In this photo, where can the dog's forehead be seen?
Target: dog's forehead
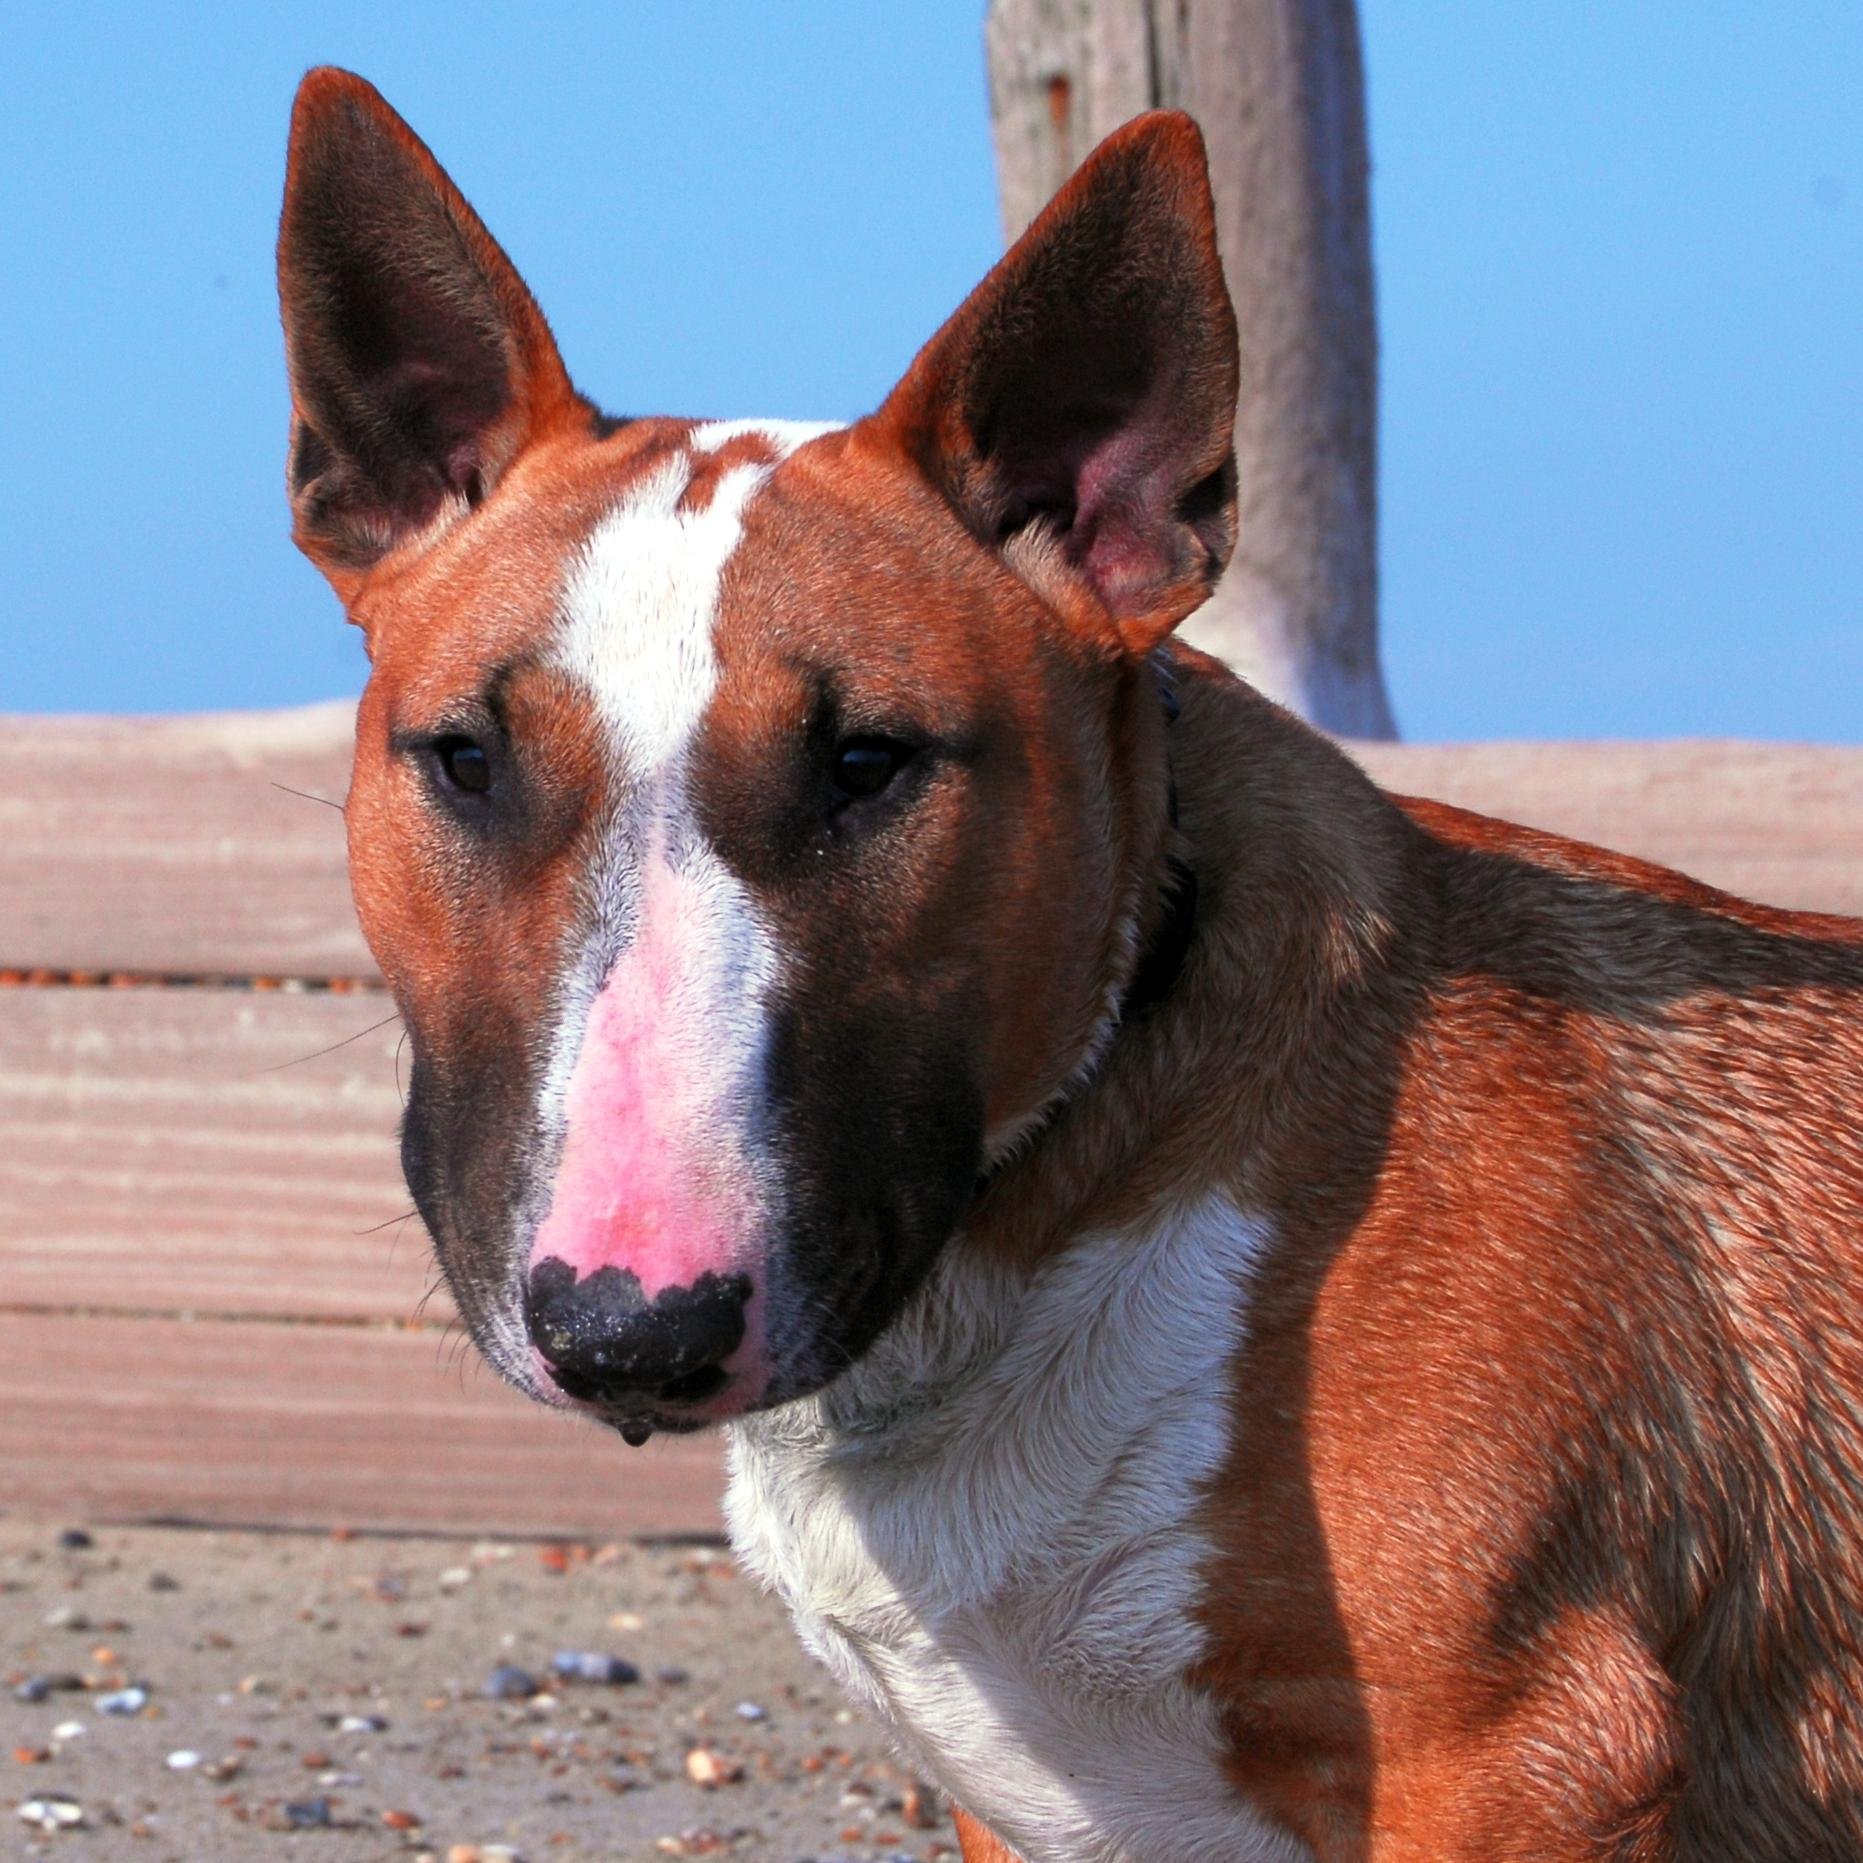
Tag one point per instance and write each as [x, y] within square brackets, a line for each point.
[600, 559]
[641, 599]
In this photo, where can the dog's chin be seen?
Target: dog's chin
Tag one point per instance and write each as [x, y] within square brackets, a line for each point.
[636, 1422]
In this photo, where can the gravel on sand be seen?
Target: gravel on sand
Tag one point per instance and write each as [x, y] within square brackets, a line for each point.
[180, 1694]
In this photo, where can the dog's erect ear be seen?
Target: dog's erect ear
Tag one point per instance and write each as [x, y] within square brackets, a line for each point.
[420, 365]
[1082, 401]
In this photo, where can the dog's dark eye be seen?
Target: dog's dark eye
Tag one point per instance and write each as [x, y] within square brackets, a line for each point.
[863, 766]
[463, 764]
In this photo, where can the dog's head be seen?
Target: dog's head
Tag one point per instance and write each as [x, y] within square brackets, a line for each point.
[757, 825]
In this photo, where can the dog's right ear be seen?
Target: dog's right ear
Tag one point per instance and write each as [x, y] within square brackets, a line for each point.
[1078, 410]
[420, 364]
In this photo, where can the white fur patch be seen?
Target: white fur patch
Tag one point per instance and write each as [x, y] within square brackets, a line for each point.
[639, 607]
[641, 601]
[984, 1529]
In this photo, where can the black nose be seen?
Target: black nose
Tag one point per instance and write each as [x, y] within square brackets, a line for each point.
[603, 1339]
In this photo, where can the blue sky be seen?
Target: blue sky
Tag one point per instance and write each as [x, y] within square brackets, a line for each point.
[1620, 266]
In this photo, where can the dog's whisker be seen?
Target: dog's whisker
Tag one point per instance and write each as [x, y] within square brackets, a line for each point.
[306, 795]
[375, 1229]
[394, 1242]
[318, 1054]
[433, 1287]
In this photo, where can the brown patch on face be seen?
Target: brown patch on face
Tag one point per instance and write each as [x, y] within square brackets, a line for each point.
[710, 467]
[952, 944]
[1038, 760]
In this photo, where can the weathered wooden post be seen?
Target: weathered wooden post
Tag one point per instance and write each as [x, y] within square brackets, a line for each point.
[1278, 86]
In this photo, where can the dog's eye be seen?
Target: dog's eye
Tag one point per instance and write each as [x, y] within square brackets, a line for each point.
[863, 766]
[463, 765]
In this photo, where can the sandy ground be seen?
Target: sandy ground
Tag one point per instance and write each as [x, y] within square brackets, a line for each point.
[284, 1669]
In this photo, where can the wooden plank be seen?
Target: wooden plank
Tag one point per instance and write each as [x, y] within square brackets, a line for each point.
[196, 1149]
[1781, 823]
[316, 1426]
[161, 844]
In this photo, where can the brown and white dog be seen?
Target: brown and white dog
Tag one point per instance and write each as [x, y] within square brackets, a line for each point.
[1258, 1319]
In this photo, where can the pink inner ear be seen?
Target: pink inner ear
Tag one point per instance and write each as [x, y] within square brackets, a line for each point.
[1125, 535]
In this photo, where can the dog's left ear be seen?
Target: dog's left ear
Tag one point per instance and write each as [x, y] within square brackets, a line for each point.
[1079, 409]
[420, 364]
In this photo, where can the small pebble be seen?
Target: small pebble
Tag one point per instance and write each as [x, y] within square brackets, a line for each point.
[307, 1814]
[455, 1576]
[592, 1666]
[920, 1807]
[401, 1820]
[697, 1843]
[510, 1683]
[164, 1581]
[52, 1814]
[130, 1700]
[65, 1618]
[362, 1724]
[69, 1730]
[672, 1675]
[75, 1539]
[708, 1769]
[183, 1759]
[749, 1711]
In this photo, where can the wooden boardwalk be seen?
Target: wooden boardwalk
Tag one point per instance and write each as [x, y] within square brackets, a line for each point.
[211, 1307]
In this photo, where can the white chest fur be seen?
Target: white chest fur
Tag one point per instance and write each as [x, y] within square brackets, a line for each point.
[985, 1531]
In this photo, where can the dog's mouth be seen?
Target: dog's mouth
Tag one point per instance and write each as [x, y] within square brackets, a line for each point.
[683, 1407]
[699, 1400]
[638, 1428]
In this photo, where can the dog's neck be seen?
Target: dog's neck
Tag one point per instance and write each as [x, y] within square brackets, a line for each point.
[1176, 914]
[1281, 874]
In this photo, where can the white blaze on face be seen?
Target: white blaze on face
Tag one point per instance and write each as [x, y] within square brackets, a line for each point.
[654, 1083]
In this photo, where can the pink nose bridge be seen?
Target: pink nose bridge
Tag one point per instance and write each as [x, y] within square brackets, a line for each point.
[653, 1177]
